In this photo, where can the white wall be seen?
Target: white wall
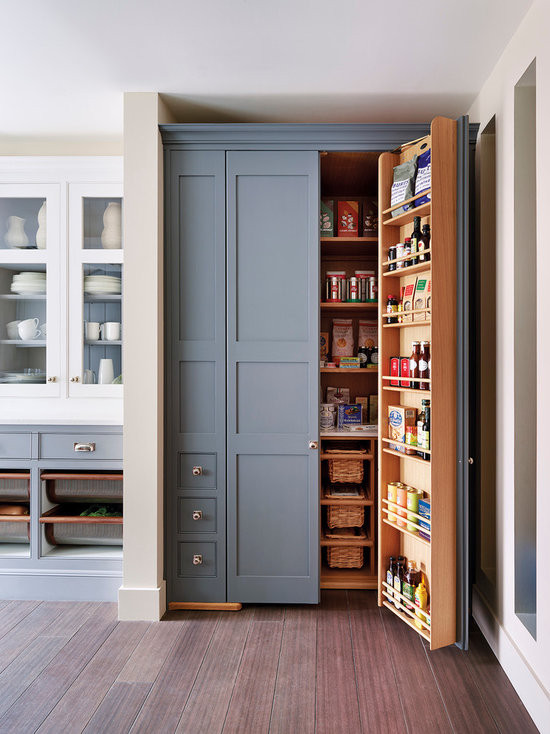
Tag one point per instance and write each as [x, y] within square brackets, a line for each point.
[143, 595]
[526, 660]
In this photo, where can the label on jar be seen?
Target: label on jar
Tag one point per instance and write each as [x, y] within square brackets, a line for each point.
[397, 587]
[413, 364]
[423, 365]
[389, 581]
[391, 308]
[426, 436]
[408, 592]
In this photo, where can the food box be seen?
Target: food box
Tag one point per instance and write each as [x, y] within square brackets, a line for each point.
[422, 297]
[327, 218]
[350, 362]
[368, 334]
[424, 510]
[394, 371]
[404, 367]
[364, 403]
[348, 218]
[349, 415]
[409, 288]
[373, 409]
[370, 217]
[335, 393]
[399, 417]
[323, 354]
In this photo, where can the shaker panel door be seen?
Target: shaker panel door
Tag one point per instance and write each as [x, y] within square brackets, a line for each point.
[272, 376]
[195, 371]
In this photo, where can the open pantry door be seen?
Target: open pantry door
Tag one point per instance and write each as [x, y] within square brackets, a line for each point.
[423, 435]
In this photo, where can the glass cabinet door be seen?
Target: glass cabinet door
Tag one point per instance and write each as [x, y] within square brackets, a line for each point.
[95, 290]
[29, 290]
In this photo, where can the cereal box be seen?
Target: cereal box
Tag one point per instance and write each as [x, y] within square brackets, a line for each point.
[327, 218]
[364, 403]
[399, 417]
[348, 218]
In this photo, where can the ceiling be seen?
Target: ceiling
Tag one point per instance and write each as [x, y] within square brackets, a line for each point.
[64, 65]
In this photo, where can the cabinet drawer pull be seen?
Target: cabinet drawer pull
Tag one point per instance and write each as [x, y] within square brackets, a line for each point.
[84, 446]
[52, 379]
[197, 514]
[197, 471]
[75, 379]
[197, 559]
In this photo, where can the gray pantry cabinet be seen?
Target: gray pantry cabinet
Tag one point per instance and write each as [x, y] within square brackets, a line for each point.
[242, 348]
[54, 472]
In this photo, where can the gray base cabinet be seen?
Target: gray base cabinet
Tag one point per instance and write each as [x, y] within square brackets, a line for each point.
[53, 473]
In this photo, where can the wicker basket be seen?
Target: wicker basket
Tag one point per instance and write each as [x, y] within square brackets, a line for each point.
[346, 470]
[345, 556]
[346, 516]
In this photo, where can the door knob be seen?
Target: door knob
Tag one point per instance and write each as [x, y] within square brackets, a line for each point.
[75, 379]
[52, 379]
[313, 445]
[197, 559]
[197, 471]
[197, 514]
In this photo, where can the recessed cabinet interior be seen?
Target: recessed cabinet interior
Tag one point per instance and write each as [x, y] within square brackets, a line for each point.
[269, 497]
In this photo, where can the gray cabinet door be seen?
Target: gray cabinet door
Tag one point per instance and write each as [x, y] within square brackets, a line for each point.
[272, 376]
[195, 376]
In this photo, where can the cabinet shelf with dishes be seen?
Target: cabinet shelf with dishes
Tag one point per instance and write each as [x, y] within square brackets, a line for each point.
[430, 481]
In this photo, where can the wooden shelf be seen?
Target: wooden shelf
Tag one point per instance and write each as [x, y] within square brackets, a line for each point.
[424, 210]
[351, 501]
[407, 201]
[81, 475]
[332, 542]
[407, 313]
[415, 379]
[404, 258]
[420, 268]
[347, 578]
[362, 306]
[14, 518]
[406, 324]
[427, 393]
[353, 247]
[358, 240]
[346, 437]
[406, 445]
[408, 620]
[348, 370]
[406, 532]
[61, 514]
[363, 457]
[426, 462]
[393, 592]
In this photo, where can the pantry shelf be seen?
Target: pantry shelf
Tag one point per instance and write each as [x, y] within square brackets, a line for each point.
[404, 258]
[406, 532]
[350, 370]
[406, 445]
[359, 457]
[424, 210]
[402, 272]
[390, 591]
[348, 240]
[407, 201]
[425, 393]
[407, 324]
[361, 306]
[400, 455]
[416, 379]
[352, 247]
[406, 313]
[347, 578]
[364, 541]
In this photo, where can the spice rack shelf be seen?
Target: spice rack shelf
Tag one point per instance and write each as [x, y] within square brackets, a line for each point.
[407, 325]
[407, 217]
[349, 370]
[416, 379]
[407, 201]
[400, 455]
[361, 306]
[403, 259]
[419, 268]
[425, 393]
[405, 445]
[405, 531]
[406, 314]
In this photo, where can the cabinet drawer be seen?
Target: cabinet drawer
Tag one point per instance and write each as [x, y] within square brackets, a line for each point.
[197, 471]
[62, 446]
[15, 445]
[196, 515]
[206, 556]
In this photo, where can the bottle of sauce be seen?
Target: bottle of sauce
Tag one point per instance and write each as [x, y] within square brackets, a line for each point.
[421, 604]
[391, 256]
[416, 236]
[398, 579]
[410, 582]
[391, 307]
[424, 244]
[390, 574]
[414, 360]
[423, 365]
[419, 428]
[407, 249]
[426, 432]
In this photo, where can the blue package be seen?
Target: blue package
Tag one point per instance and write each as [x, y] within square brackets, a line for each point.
[349, 415]
[423, 177]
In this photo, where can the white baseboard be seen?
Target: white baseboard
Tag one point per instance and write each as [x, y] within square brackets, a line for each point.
[141, 604]
[529, 688]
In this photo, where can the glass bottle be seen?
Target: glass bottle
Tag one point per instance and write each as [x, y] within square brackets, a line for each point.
[414, 360]
[423, 368]
[420, 427]
[424, 244]
[411, 579]
[426, 441]
[415, 239]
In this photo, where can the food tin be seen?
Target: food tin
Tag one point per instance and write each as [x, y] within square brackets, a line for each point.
[399, 252]
[402, 502]
[392, 497]
[413, 497]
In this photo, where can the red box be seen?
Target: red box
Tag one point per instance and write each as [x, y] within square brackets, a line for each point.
[348, 218]
[394, 370]
[404, 371]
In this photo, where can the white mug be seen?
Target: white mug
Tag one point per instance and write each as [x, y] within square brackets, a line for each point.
[106, 373]
[13, 331]
[110, 331]
[44, 329]
[28, 329]
[91, 329]
[88, 377]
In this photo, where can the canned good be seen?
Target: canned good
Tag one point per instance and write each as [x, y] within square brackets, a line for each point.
[413, 497]
[363, 354]
[353, 286]
[372, 289]
[392, 497]
[401, 502]
[334, 289]
[399, 252]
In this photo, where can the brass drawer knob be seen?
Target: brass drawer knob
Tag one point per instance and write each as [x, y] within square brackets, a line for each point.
[75, 379]
[313, 444]
[197, 559]
[197, 471]
[52, 379]
[197, 514]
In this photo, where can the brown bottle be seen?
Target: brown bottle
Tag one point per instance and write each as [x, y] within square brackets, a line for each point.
[411, 579]
[398, 579]
[424, 365]
[414, 360]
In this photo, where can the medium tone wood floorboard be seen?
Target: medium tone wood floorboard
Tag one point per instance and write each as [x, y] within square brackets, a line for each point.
[337, 705]
[250, 707]
[343, 667]
[294, 700]
[378, 695]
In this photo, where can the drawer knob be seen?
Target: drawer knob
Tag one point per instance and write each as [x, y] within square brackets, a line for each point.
[52, 379]
[313, 444]
[197, 514]
[75, 379]
[197, 559]
[84, 446]
[197, 471]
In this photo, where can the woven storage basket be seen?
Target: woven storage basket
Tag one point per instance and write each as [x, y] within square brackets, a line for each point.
[345, 556]
[346, 516]
[72, 533]
[346, 470]
[14, 490]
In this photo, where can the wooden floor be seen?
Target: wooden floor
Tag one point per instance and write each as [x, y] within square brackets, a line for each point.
[343, 667]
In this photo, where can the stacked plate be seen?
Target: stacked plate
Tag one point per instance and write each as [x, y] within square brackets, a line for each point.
[29, 284]
[23, 378]
[96, 285]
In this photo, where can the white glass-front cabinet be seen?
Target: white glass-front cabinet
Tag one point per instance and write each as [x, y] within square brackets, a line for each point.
[95, 290]
[61, 269]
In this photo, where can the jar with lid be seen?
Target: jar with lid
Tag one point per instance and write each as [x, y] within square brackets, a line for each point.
[327, 417]
[391, 307]
[391, 256]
